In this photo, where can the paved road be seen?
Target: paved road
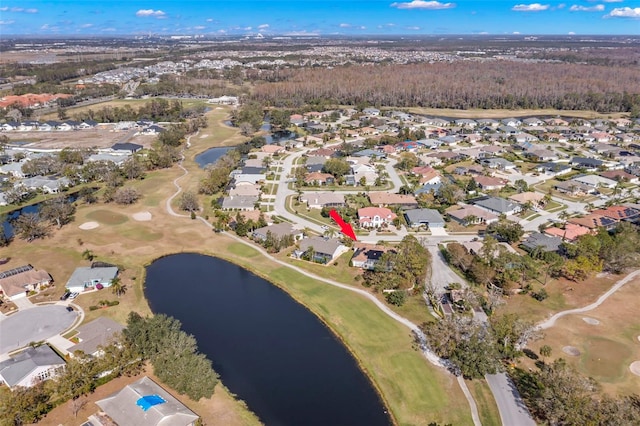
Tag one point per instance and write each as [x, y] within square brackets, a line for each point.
[513, 412]
[33, 325]
[441, 274]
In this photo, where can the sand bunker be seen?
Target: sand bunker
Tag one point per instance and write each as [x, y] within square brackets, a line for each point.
[591, 321]
[142, 216]
[204, 136]
[635, 368]
[89, 225]
[571, 350]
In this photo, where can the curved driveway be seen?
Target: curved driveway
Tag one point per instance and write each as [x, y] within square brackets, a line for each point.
[34, 325]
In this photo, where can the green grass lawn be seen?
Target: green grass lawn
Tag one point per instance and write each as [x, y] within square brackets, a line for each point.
[487, 408]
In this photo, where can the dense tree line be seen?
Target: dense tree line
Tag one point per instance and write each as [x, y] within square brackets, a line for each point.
[155, 110]
[173, 353]
[461, 85]
[556, 394]
[59, 71]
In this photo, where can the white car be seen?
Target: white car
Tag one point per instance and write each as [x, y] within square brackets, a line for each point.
[73, 295]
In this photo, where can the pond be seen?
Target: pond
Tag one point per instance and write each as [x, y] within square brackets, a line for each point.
[269, 350]
[33, 208]
[211, 155]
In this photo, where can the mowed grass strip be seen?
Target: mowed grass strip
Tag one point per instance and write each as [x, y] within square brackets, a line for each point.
[487, 407]
[416, 392]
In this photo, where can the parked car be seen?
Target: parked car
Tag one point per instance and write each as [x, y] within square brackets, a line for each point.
[65, 296]
[73, 296]
[69, 309]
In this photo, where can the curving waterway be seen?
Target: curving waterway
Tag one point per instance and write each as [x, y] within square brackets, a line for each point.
[268, 349]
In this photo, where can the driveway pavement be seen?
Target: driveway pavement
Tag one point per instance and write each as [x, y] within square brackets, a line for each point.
[33, 325]
[23, 303]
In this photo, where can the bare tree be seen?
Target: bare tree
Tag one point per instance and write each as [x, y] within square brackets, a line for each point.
[189, 201]
[126, 196]
[30, 226]
[78, 404]
[58, 210]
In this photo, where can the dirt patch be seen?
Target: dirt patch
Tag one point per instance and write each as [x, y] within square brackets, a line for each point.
[142, 216]
[89, 225]
[635, 368]
[204, 136]
[91, 138]
[571, 350]
[591, 321]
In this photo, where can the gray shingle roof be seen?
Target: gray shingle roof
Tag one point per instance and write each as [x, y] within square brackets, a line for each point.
[20, 366]
[98, 332]
[424, 216]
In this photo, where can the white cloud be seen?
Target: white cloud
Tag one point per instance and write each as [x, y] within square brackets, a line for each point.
[571, 33]
[414, 28]
[6, 22]
[209, 20]
[578, 8]
[516, 33]
[561, 6]
[609, 1]
[343, 25]
[362, 27]
[533, 7]
[150, 12]
[624, 12]
[421, 4]
[263, 26]
[45, 27]
[199, 27]
[17, 9]
[222, 31]
[86, 25]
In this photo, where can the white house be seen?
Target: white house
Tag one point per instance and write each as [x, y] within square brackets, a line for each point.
[596, 181]
[373, 217]
[30, 367]
[86, 277]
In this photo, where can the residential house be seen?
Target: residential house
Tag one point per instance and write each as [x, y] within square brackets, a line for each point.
[251, 175]
[538, 241]
[445, 156]
[370, 153]
[620, 176]
[324, 249]
[594, 221]
[142, 403]
[30, 367]
[371, 111]
[488, 183]
[374, 217]
[553, 169]
[18, 282]
[472, 215]
[428, 188]
[488, 122]
[532, 121]
[620, 213]
[272, 149]
[366, 172]
[540, 155]
[595, 181]
[512, 122]
[95, 335]
[48, 185]
[429, 218]
[427, 174]
[319, 200]
[367, 256]
[14, 169]
[278, 230]
[246, 189]
[317, 178]
[128, 147]
[498, 163]
[239, 202]
[574, 188]
[383, 198]
[85, 277]
[498, 205]
[465, 122]
[534, 198]
[153, 130]
[570, 232]
[589, 164]
[117, 159]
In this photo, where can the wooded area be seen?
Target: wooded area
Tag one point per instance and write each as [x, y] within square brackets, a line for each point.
[461, 85]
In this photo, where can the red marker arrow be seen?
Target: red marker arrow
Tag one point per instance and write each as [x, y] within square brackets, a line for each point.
[344, 226]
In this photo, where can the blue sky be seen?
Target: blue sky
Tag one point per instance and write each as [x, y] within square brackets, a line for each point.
[288, 17]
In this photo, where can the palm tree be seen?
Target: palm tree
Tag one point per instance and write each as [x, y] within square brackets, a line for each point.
[118, 287]
[88, 255]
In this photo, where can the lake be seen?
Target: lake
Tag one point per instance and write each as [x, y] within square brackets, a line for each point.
[269, 350]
